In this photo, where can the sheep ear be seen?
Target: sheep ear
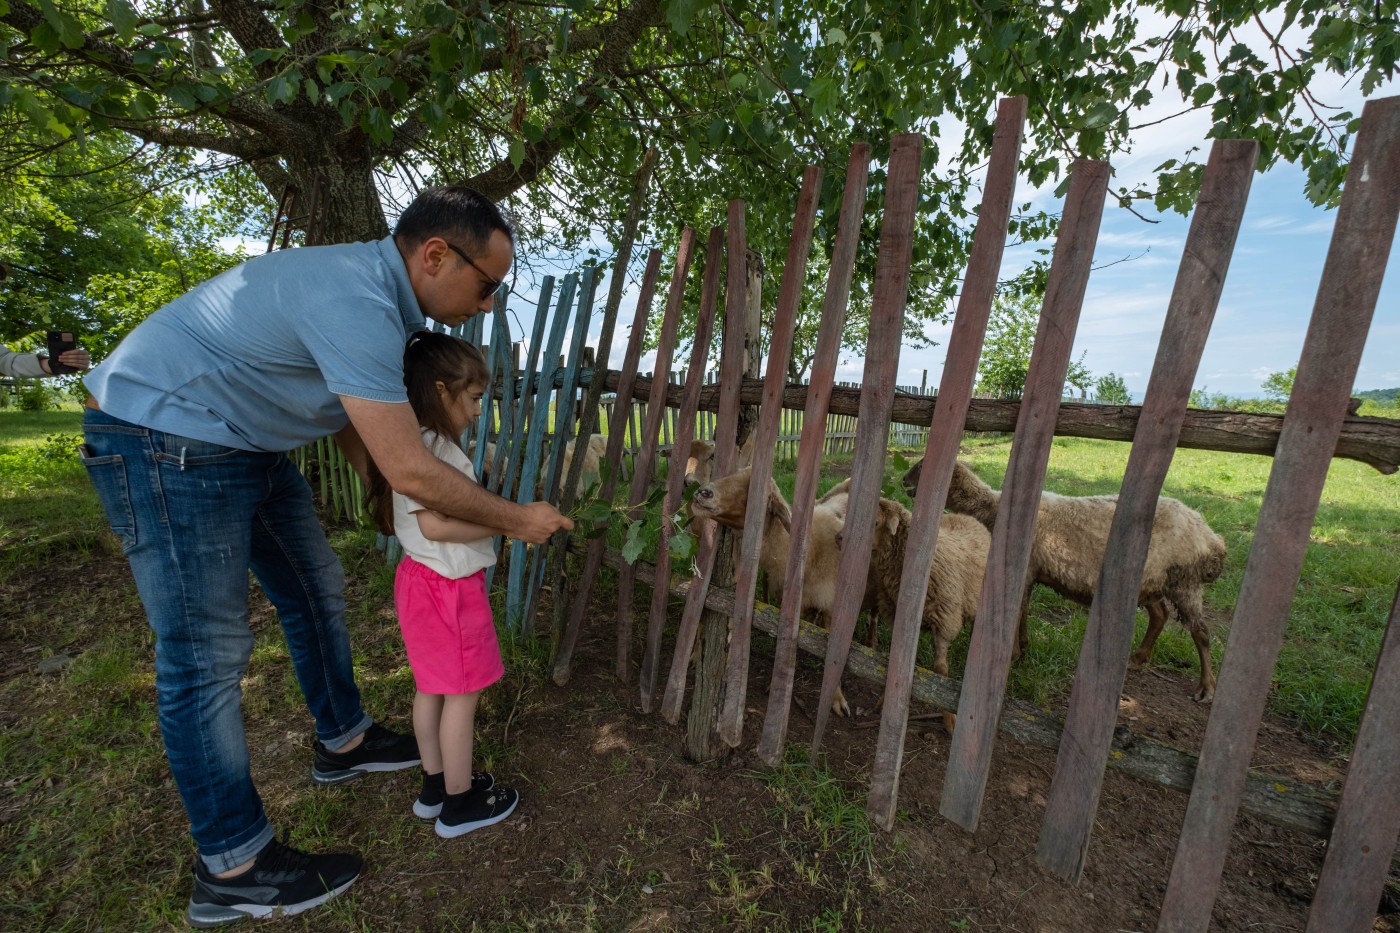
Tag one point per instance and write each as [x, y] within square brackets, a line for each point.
[778, 509]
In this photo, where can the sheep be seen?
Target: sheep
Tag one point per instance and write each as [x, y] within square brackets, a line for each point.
[593, 453]
[1071, 536]
[954, 580]
[699, 464]
[726, 501]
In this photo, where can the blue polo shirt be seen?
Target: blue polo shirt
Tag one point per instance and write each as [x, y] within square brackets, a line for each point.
[257, 357]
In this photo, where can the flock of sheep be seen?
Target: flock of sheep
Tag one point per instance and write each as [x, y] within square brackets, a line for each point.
[1071, 535]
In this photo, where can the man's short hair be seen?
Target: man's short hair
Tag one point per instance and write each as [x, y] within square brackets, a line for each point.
[458, 214]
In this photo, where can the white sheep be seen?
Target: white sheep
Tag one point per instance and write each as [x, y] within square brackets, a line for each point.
[1071, 536]
[726, 501]
[954, 579]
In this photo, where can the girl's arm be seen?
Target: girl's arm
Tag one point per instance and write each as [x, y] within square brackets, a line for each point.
[438, 527]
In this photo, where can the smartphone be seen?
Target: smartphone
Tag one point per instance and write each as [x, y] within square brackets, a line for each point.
[59, 342]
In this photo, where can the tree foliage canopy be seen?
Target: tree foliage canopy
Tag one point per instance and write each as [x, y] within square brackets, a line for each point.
[550, 105]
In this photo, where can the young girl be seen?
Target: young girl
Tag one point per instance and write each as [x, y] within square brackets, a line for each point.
[440, 594]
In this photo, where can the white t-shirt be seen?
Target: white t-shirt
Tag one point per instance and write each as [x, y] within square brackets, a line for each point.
[448, 558]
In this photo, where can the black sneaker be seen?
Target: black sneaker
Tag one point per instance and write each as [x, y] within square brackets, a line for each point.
[283, 881]
[429, 802]
[382, 750]
[462, 813]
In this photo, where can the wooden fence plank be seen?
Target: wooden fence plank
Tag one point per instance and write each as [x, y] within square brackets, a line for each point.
[989, 652]
[1368, 819]
[736, 678]
[617, 431]
[645, 462]
[564, 407]
[675, 472]
[1346, 301]
[804, 493]
[529, 461]
[588, 419]
[1103, 656]
[959, 376]
[702, 734]
[877, 395]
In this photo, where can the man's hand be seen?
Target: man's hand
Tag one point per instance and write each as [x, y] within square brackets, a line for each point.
[541, 521]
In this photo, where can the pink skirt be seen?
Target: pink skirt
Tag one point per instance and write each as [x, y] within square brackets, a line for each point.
[447, 630]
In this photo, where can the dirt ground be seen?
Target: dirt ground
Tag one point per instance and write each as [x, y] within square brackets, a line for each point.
[618, 831]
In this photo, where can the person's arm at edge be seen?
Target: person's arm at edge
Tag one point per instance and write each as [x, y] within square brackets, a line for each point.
[390, 435]
[350, 444]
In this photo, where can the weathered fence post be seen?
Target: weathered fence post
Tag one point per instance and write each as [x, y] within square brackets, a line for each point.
[990, 647]
[731, 721]
[1103, 656]
[617, 434]
[1346, 302]
[959, 375]
[804, 493]
[876, 399]
[702, 736]
[675, 472]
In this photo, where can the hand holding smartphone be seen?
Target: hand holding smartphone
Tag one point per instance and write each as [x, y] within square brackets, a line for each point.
[60, 341]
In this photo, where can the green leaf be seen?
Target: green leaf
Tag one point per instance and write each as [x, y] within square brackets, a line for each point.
[517, 153]
[281, 91]
[836, 36]
[1101, 113]
[681, 546]
[681, 13]
[632, 547]
[123, 16]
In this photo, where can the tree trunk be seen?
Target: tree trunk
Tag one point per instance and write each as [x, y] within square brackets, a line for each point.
[337, 187]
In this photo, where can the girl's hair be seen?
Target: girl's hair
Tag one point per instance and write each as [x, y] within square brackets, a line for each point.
[429, 359]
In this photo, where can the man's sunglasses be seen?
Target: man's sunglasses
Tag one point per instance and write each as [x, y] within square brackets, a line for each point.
[488, 287]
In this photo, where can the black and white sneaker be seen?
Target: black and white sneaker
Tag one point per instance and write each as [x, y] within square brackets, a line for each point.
[382, 750]
[462, 813]
[429, 802]
[281, 882]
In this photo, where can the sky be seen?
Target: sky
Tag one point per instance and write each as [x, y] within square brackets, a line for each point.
[1272, 284]
[1259, 326]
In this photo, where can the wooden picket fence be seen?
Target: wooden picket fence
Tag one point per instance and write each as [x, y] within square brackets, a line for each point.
[806, 420]
[1362, 833]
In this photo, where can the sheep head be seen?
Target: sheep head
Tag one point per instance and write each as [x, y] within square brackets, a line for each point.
[726, 500]
[911, 477]
[967, 494]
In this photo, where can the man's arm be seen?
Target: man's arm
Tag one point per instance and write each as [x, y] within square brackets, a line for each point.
[390, 435]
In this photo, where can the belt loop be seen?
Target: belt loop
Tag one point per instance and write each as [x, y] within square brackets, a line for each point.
[182, 458]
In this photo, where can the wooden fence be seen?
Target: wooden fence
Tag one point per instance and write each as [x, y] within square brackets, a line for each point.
[806, 421]
[1315, 428]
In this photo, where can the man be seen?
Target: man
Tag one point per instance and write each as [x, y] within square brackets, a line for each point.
[186, 436]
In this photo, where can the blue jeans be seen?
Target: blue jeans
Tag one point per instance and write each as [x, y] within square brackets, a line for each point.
[193, 519]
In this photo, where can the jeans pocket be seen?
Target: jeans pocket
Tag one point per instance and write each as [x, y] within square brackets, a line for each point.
[190, 452]
[108, 475]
